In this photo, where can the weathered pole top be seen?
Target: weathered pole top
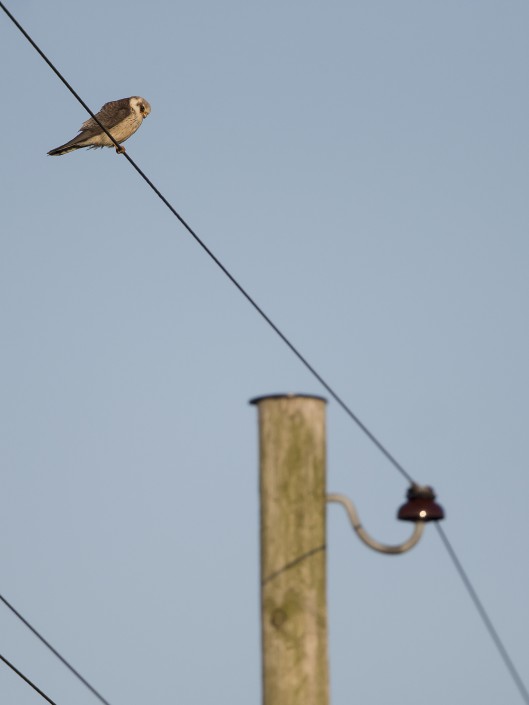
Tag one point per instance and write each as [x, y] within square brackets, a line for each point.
[288, 395]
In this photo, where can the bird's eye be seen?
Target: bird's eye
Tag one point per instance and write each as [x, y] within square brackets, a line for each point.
[142, 108]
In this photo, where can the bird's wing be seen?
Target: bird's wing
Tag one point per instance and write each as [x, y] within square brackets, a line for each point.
[110, 115]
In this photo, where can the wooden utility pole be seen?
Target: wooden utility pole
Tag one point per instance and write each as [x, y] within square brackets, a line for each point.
[293, 585]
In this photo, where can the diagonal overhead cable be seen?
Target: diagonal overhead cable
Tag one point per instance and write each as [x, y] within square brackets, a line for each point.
[337, 398]
[55, 652]
[477, 603]
[28, 681]
[498, 643]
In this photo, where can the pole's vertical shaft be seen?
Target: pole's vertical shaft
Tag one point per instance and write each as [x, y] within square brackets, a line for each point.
[293, 586]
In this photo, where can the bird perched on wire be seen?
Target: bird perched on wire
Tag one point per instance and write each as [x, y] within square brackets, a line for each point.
[121, 118]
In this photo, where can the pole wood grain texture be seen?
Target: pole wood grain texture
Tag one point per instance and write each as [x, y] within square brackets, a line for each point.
[293, 555]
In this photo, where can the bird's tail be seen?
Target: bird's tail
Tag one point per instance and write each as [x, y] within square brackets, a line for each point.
[72, 145]
[64, 149]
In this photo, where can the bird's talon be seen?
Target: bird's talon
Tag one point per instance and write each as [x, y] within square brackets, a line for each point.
[120, 150]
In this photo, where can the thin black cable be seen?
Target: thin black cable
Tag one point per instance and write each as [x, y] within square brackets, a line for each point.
[484, 616]
[54, 651]
[24, 678]
[234, 281]
[503, 652]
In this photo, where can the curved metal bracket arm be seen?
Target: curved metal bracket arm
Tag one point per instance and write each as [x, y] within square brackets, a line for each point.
[369, 540]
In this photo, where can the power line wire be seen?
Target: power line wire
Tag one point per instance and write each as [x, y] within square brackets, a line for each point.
[381, 447]
[389, 456]
[25, 678]
[484, 615]
[54, 651]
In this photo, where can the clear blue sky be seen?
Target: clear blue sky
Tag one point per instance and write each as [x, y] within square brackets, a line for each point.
[362, 168]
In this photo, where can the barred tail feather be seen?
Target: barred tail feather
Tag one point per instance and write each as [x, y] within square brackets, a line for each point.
[64, 149]
[76, 143]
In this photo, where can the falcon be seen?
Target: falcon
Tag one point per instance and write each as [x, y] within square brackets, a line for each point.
[121, 118]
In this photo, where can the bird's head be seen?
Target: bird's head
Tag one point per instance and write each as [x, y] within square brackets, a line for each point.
[140, 106]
